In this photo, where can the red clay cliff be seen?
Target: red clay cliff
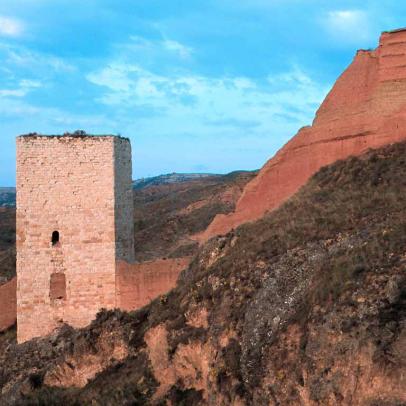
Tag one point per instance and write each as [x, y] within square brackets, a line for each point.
[366, 108]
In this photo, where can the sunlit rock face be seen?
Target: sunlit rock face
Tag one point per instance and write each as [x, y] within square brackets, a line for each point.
[366, 108]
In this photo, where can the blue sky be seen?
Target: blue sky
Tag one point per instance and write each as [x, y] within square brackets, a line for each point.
[197, 85]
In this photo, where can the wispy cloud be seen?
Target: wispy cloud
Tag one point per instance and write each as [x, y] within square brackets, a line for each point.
[156, 48]
[19, 56]
[10, 27]
[23, 72]
[175, 46]
[186, 82]
[16, 109]
[204, 105]
[348, 26]
[23, 88]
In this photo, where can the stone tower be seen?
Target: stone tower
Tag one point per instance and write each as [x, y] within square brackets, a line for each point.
[74, 223]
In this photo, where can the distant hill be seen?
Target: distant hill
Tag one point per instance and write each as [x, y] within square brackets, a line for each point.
[7, 196]
[170, 178]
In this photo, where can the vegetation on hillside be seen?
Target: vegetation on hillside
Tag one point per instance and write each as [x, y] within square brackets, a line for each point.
[305, 306]
[170, 178]
[167, 215]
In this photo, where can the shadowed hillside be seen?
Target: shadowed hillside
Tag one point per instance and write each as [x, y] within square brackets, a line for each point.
[305, 306]
[7, 197]
[7, 244]
[168, 214]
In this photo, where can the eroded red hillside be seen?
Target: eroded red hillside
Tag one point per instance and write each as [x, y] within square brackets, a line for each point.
[365, 109]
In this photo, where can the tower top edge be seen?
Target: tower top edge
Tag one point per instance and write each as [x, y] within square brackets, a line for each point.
[70, 136]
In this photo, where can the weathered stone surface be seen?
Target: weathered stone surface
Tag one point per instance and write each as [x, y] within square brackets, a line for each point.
[138, 284]
[365, 109]
[74, 218]
[75, 236]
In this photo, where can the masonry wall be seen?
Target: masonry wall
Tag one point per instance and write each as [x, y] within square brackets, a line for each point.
[8, 304]
[138, 284]
[68, 185]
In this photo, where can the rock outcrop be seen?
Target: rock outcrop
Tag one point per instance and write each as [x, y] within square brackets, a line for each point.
[366, 108]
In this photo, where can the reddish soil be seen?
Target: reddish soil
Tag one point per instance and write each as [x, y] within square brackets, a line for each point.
[365, 109]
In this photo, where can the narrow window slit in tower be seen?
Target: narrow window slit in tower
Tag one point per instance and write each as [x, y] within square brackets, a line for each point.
[55, 237]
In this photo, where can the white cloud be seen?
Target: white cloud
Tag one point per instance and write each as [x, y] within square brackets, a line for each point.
[30, 84]
[195, 104]
[10, 27]
[22, 57]
[24, 87]
[345, 20]
[112, 76]
[174, 46]
[12, 93]
[348, 26]
[53, 120]
[156, 47]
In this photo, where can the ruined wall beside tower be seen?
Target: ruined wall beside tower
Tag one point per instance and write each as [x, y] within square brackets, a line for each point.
[74, 220]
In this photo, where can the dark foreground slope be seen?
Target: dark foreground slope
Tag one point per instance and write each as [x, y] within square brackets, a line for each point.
[303, 307]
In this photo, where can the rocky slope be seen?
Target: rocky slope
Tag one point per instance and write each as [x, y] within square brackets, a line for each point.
[366, 108]
[306, 306]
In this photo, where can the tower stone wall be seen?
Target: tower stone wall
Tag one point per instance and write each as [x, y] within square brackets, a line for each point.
[74, 222]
